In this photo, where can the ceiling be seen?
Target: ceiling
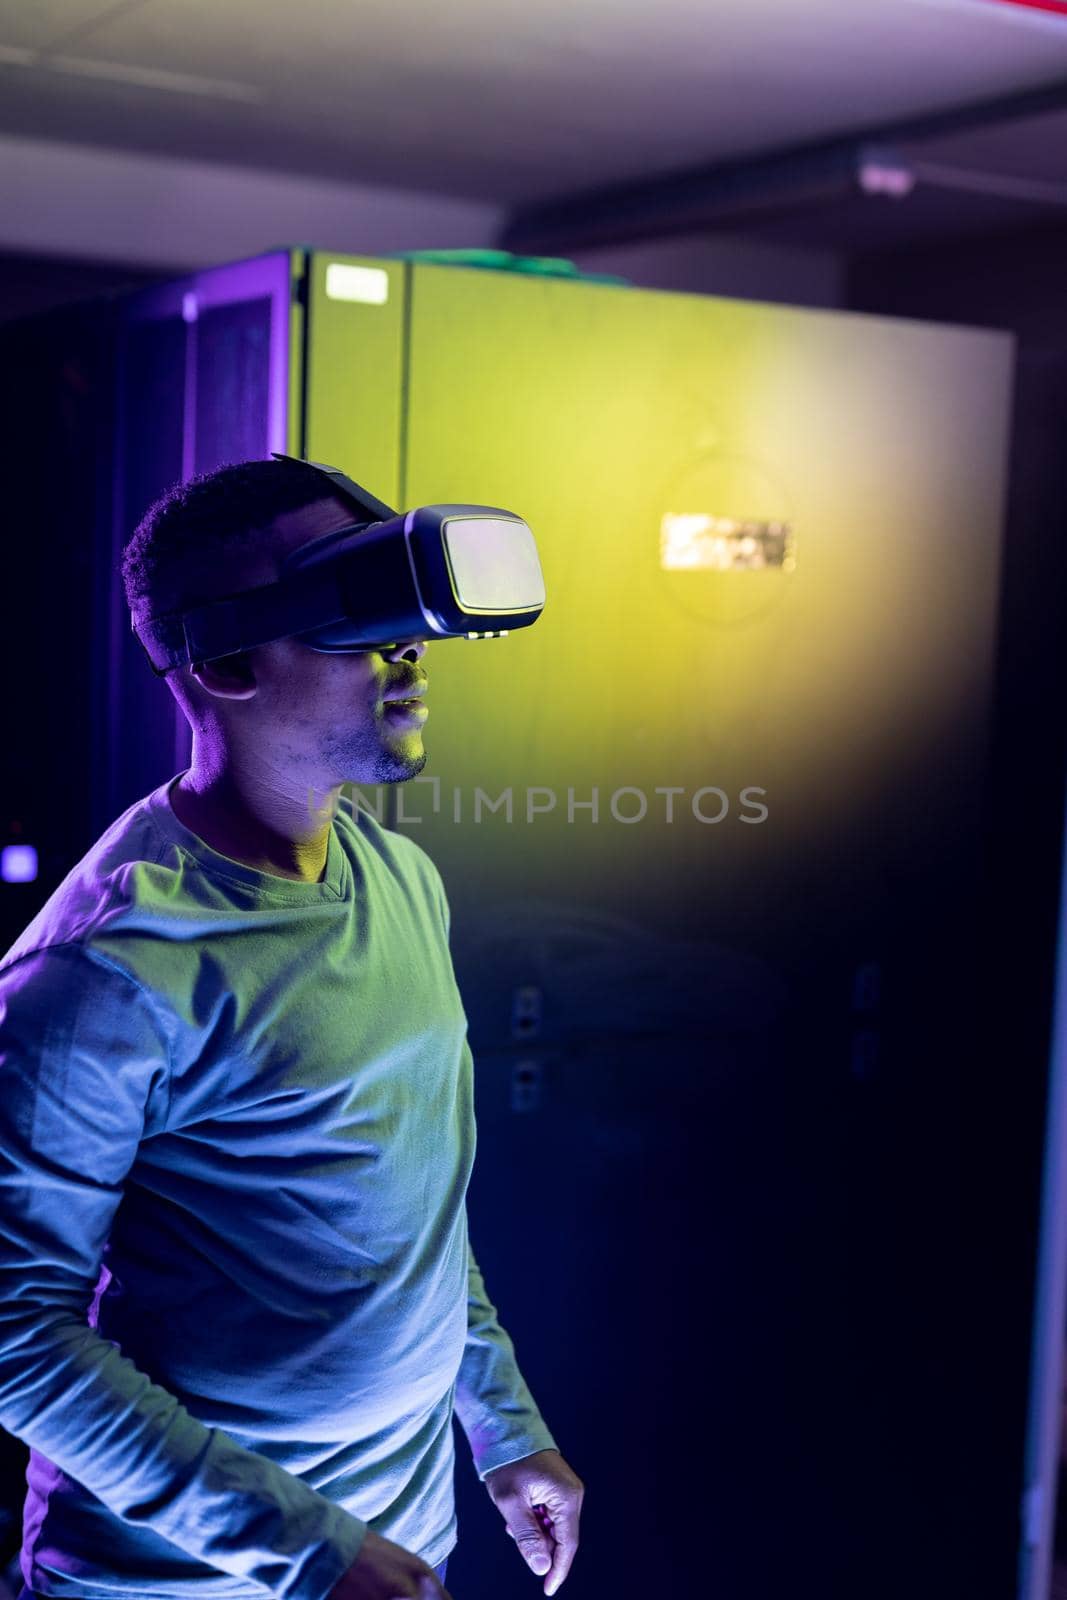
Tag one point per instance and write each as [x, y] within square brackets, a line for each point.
[522, 103]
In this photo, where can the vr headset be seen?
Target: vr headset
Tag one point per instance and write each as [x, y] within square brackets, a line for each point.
[446, 572]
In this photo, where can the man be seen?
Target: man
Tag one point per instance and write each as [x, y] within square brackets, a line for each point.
[234, 1068]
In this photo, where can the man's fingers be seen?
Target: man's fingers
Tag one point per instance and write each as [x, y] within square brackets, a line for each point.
[536, 1549]
[527, 1530]
[565, 1532]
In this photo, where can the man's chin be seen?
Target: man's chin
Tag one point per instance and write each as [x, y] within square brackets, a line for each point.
[396, 766]
[412, 768]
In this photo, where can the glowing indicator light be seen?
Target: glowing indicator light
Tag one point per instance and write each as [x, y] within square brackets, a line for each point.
[368, 285]
[18, 863]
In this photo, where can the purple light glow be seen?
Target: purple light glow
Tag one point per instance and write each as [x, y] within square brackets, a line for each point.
[18, 863]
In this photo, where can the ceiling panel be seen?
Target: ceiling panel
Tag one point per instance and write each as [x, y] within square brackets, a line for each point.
[498, 99]
[30, 24]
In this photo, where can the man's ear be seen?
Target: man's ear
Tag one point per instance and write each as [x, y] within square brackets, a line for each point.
[227, 677]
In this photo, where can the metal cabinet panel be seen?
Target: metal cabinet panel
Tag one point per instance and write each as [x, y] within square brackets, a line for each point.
[355, 351]
[765, 1014]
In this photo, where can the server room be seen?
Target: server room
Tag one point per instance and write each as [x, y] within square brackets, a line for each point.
[582, 1111]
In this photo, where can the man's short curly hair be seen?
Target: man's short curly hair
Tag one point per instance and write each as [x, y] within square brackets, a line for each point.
[185, 548]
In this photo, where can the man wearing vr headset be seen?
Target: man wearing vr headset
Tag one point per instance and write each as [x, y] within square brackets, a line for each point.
[234, 1069]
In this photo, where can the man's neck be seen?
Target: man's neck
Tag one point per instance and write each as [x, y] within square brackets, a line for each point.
[259, 828]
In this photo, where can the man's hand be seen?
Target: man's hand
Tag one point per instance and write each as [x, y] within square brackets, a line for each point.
[386, 1571]
[540, 1500]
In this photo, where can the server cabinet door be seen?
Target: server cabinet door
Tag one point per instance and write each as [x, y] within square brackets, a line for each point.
[719, 811]
[206, 371]
[354, 384]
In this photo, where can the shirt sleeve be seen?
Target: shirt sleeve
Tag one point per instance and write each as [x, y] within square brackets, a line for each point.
[84, 1078]
[494, 1405]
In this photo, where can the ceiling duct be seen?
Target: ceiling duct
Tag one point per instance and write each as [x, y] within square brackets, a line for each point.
[743, 195]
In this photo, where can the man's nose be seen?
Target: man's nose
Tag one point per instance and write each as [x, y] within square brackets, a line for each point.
[406, 652]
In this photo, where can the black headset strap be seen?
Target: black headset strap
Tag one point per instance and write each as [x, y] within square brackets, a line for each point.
[374, 510]
[258, 616]
[243, 620]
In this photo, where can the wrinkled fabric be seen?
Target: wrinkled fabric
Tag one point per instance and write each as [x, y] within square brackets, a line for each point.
[238, 1303]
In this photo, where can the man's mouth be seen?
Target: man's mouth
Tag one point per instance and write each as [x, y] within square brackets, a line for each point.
[403, 703]
[405, 710]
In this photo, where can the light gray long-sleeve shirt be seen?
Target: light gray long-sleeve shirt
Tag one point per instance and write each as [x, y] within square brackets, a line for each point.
[237, 1300]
